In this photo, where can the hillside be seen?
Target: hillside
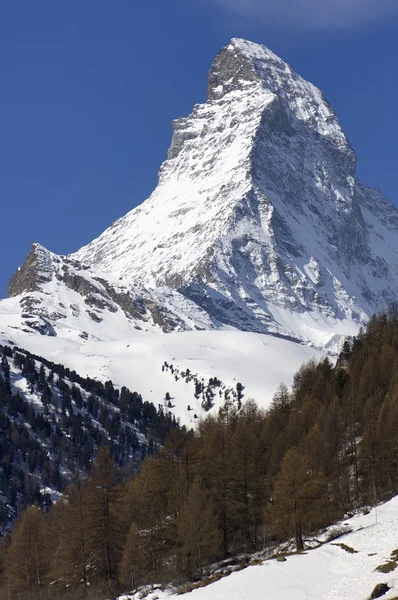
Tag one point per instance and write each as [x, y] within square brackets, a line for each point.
[53, 421]
[258, 362]
[345, 568]
[244, 484]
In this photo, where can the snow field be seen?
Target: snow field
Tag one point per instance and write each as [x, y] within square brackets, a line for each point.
[328, 572]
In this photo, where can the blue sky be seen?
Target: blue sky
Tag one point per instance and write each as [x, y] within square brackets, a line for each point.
[89, 90]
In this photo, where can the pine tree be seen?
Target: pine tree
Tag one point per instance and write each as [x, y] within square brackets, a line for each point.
[5, 367]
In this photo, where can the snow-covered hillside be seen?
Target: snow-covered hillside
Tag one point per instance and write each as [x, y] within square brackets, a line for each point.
[52, 423]
[260, 363]
[343, 569]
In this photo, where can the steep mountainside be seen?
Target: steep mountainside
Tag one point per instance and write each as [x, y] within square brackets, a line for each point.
[62, 292]
[109, 328]
[258, 217]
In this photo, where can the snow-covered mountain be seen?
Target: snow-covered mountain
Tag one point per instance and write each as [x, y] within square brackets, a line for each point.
[113, 349]
[258, 226]
[258, 216]
[63, 292]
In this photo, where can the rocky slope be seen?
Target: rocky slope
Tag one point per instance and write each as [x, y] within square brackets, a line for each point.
[258, 222]
[58, 292]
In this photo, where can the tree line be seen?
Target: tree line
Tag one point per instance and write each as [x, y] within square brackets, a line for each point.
[242, 481]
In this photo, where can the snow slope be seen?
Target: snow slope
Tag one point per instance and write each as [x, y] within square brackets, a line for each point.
[114, 330]
[259, 362]
[326, 573]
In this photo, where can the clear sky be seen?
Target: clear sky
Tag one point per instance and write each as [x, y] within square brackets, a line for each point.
[89, 89]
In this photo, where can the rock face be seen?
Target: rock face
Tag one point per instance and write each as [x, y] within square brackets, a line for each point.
[57, 291]
[380, 590]
[36, 270]
[258, 220]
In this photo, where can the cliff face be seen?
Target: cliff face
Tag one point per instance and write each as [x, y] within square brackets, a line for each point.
[258, 221]
[36, 270]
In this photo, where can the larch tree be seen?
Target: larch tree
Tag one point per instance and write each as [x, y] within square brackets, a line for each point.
[134, 563]
[247, 476]
[217, 474]
[299, 498]
[71, 564]
[106, 513]
[27, 561]
[199, 532]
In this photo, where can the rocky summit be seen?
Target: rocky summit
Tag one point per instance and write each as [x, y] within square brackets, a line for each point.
[258, 223]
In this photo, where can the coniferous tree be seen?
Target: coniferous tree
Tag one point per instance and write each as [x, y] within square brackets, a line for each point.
[217, 475]
[104, 500]
[71, 562]
[198, 528]
[247, 476]
[27, 560]
[299, 498]
[134, 564]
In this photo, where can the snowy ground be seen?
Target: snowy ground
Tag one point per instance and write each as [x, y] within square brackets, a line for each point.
[259, 362]
[327, 573]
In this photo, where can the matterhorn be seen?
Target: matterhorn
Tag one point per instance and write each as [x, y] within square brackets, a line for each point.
[258, 224]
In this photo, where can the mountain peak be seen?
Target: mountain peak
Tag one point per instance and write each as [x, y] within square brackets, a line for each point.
[243, 63]
[239, 64]
[257, 53]
[231, 69]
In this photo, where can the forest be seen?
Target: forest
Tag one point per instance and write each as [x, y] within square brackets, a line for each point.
[241, 483]
[52, 422]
